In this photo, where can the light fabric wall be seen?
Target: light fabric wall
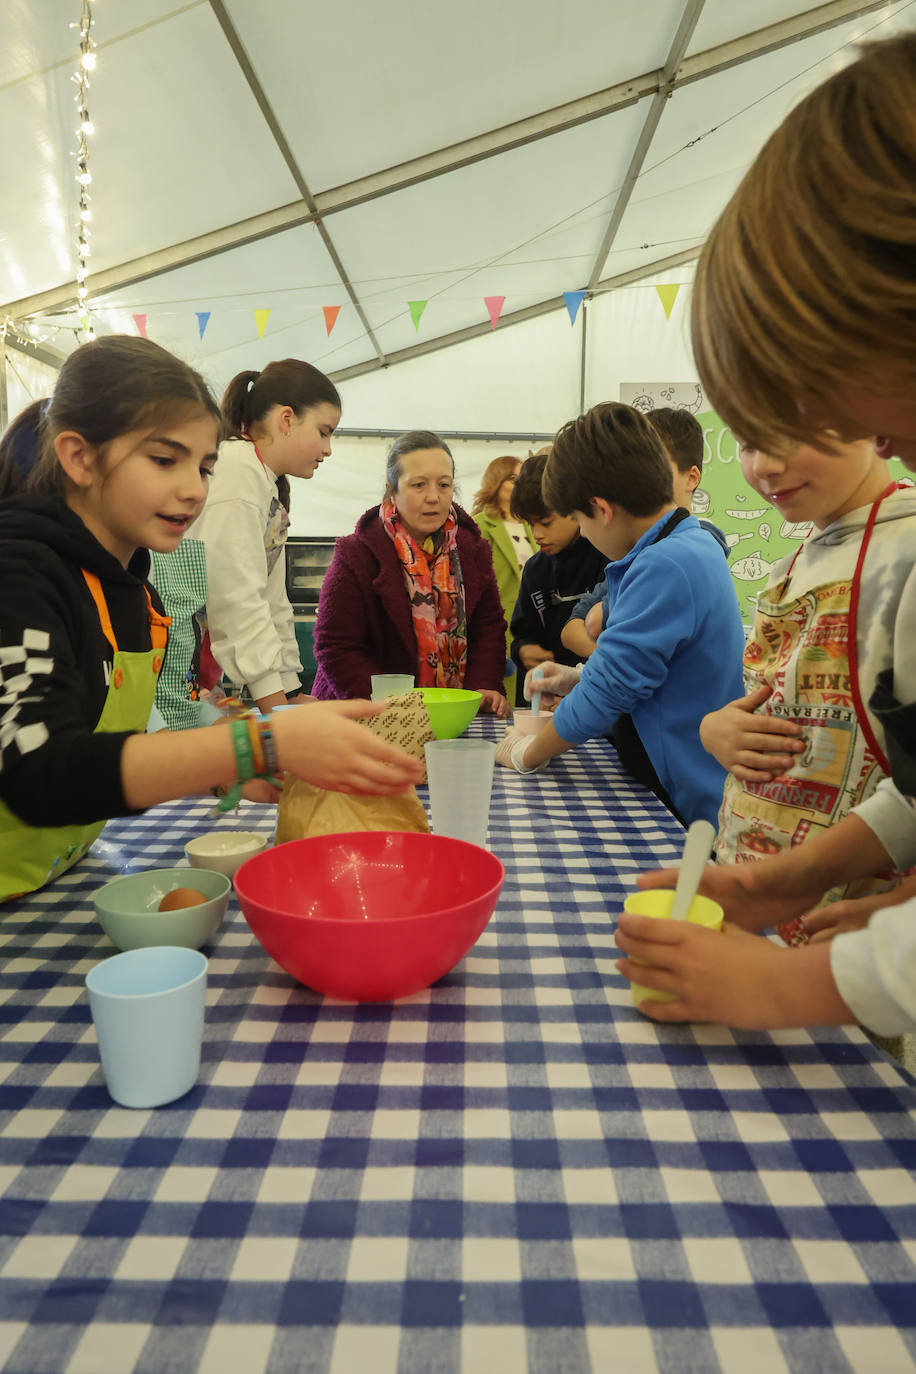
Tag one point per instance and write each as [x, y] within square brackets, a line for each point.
[353, 478]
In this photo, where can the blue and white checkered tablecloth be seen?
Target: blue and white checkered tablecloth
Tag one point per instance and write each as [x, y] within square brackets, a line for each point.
[512, 1171]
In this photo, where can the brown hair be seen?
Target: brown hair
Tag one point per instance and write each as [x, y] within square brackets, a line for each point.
[527, 501]
[614, 453]
[414, 441]
[289, 382]
[495, 474]
[106, 388]
[681, 434]
[807, 282]
[20, 448]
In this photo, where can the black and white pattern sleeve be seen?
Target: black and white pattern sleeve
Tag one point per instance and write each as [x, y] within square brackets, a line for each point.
[53, 769]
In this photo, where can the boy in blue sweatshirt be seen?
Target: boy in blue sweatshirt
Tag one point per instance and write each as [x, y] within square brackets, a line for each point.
[673, 642]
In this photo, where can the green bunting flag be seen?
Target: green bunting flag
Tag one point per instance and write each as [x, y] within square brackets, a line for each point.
[416, 312]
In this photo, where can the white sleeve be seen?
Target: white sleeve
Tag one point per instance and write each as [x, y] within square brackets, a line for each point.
[284, 624]
[875, 970]
[243, 637]
[892, 817]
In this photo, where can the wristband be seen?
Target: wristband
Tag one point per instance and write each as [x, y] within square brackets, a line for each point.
[241, 744]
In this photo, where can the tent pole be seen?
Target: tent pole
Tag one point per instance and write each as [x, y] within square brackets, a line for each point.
[4, 398]
[582, 357]
[817, 19]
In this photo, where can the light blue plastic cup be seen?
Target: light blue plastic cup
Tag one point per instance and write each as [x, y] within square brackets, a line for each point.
[148, 1009]
[390, 685]
[460, 774]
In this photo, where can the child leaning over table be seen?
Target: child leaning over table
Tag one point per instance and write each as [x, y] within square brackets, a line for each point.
[553, 579]
[671, 651]
[776, 375]
[682, 439]
[802, 747]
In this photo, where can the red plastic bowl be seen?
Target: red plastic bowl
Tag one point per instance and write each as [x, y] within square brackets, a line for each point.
[369, 916]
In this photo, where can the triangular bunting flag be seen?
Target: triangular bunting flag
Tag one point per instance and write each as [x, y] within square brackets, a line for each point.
[668, 295]
[203, 319]
[494, 306]
[416, 312]
[260, 318]
[140, 322]
[573, 300]
[330, 316]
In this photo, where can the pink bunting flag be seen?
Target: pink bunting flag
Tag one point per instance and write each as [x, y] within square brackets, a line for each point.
[140, 322]
[330, 316]
[494, 306]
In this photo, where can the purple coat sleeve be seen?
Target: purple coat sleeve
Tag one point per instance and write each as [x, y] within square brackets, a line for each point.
[486, 666]
[342, 630]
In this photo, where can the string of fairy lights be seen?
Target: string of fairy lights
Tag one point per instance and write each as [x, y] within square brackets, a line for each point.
[84, 131]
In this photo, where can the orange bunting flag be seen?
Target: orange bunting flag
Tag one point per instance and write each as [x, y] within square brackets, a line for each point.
[260, 318]
[494, 306]
[140, 322]
[330, 316]
[668, 295]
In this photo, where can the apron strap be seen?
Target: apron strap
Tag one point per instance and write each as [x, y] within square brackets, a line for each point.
[101, 605]
[855, 688]
[158, 624]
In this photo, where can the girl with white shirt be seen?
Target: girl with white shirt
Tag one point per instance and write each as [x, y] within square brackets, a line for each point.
[280, 423]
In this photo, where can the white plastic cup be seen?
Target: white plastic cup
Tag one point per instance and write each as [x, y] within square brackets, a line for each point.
[390, 685]
[148, 1009]
[460, 774]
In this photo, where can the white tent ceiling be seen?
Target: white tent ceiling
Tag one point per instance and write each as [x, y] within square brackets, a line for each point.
[283, 155]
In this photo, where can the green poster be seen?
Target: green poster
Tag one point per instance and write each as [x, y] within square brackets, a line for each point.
[756, 531]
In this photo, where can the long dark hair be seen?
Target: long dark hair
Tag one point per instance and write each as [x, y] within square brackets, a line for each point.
[289, 382]
[106, 388]
[20, 448]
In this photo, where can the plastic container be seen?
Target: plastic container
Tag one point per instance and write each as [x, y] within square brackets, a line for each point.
[223, 851]
[460, 776]
[128, 908]
[450, 709]
[148, 1009]
[657, 903]
[527, 723]
[369, 916]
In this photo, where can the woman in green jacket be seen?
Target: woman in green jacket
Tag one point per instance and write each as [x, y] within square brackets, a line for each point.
[510, 541]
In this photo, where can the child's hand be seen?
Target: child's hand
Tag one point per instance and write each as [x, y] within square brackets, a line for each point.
[729, 977]
[511, 751]
[493, 703]
[530, 655]
[555, 680]
[755, 748]
[839, 917]
[325, 746]
[594, 620]
[260, 790]
[753, 896]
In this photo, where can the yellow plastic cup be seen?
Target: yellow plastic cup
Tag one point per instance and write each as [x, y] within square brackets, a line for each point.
[658, 903]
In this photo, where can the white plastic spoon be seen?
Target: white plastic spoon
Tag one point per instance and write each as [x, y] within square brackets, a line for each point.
[697, 848]
[536, 676]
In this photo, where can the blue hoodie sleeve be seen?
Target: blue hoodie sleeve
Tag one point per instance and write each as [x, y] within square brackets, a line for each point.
[590, 599]
[653, 612]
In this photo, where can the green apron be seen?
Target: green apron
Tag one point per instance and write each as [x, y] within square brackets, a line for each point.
[30, 856]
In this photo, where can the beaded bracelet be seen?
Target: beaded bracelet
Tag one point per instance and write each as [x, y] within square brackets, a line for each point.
[255, 757]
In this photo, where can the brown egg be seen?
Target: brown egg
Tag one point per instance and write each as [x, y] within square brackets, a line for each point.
[180, 897]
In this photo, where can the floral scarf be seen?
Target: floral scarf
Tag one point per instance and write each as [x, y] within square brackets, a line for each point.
[435, 590]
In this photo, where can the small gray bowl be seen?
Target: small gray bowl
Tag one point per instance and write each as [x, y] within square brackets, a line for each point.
[128, 908]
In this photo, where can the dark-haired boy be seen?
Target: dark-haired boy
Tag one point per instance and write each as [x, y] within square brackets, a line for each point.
[682, 438]
[553, 579]
[672, 648]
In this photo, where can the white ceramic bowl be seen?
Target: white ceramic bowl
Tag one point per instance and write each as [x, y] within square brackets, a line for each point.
[526, 723]
[224, 851]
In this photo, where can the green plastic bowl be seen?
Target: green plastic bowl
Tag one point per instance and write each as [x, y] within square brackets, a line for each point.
[128, 912]
[450, 709]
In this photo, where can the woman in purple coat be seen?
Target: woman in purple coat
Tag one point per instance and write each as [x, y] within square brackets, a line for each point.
[412, 590]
